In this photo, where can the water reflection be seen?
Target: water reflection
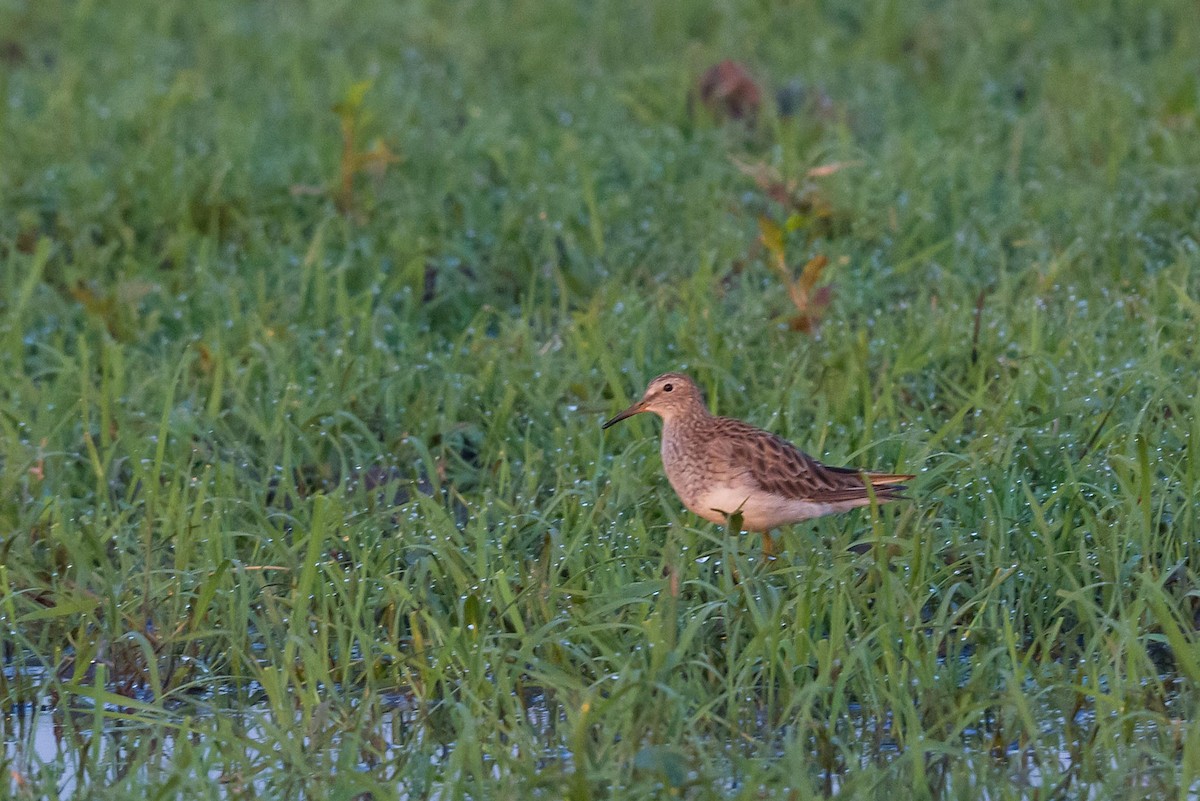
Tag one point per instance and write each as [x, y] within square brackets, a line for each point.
[250, 751]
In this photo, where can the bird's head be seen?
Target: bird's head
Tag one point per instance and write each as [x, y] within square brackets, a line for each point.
[669, 396]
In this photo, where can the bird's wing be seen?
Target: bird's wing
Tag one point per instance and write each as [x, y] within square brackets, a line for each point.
[777, 466]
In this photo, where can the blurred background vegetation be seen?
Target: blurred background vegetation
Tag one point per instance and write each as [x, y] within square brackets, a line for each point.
[310, 313]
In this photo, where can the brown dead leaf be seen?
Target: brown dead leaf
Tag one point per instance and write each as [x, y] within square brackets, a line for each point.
[824, 170]
[728, 91]
[204, 358]
[810, 320]
[771, 236]
[805, 200]
[811, 301]
[812, 271]
[769, 181]
[38, 470]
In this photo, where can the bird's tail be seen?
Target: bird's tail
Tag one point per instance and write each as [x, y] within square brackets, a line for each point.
[888, 486]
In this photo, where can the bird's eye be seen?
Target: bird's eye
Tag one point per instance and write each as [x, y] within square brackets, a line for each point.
[668, 387]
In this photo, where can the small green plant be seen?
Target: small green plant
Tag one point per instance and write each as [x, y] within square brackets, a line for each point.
[354, 119]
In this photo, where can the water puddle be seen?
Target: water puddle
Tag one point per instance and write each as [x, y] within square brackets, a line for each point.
[74, 745]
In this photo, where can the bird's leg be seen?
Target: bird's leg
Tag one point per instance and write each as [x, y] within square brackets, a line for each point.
[770, 547]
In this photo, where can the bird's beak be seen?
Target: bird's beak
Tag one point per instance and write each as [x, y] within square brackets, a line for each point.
[636, 408]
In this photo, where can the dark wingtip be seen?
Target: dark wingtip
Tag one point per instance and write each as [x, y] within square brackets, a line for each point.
[888, 486]
[890, 492]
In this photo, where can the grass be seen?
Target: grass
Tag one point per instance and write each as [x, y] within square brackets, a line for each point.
[310, 315]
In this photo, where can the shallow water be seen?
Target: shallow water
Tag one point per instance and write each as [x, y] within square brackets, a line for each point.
[73, 745]
[43, 744]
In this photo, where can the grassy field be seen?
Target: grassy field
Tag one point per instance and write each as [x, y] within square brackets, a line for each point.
[310, 313]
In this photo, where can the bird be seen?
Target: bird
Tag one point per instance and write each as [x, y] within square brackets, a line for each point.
[732, 473]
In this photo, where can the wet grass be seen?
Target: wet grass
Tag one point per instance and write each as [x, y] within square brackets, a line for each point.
[310, 316]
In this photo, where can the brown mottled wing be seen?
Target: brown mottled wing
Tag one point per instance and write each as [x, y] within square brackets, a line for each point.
[779, 467]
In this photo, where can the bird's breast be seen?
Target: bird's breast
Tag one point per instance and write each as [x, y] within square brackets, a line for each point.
[684, 464]
[696, 478]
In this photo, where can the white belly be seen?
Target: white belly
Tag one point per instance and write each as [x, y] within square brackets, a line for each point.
[760, 511]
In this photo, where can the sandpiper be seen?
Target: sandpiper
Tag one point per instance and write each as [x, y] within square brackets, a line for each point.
[723, 469]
